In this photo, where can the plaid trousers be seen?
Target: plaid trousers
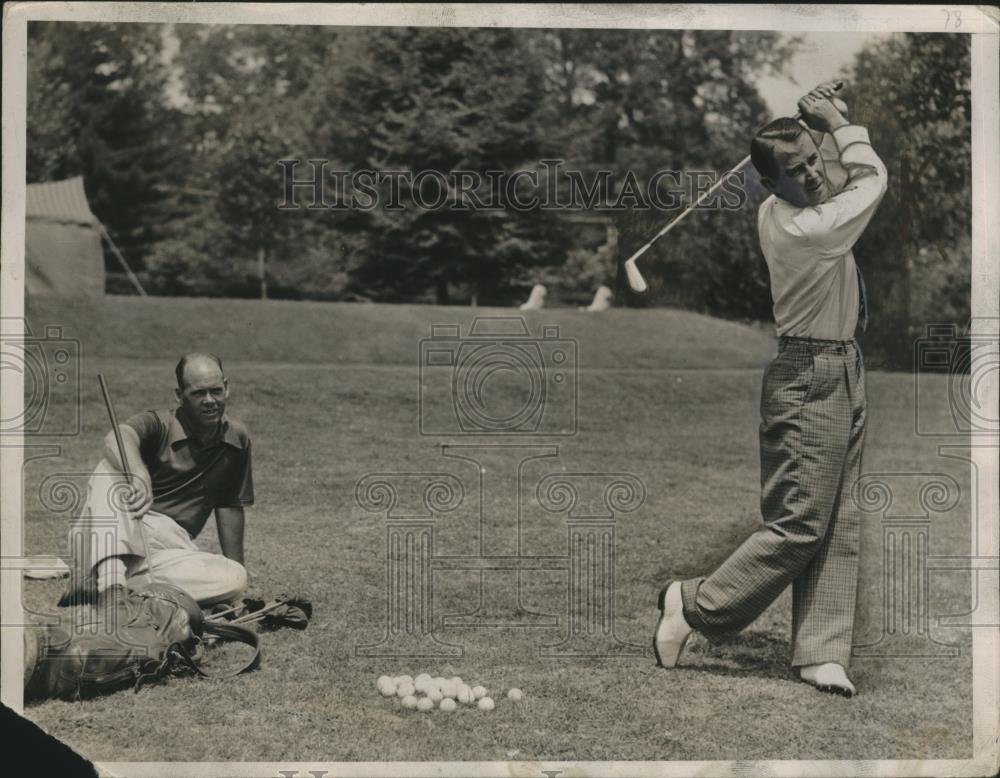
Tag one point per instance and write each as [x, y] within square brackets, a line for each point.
[811, 439]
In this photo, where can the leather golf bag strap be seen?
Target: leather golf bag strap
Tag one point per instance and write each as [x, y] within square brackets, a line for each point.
[233, 633]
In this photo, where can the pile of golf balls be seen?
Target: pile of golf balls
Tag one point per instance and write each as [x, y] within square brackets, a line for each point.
[425, 693]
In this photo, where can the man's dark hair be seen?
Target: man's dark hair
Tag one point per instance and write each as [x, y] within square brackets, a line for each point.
[179, 370]
[762, 145]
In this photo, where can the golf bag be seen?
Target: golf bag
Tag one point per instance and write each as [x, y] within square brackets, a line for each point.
[127, 640]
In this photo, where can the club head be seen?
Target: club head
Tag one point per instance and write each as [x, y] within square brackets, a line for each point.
[635, 280]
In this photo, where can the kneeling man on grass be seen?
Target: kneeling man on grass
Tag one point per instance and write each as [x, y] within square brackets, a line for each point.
[812, 407]
[186, 463]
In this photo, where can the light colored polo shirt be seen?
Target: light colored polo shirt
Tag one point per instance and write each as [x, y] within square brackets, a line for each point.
[190, 479]
[814, 281]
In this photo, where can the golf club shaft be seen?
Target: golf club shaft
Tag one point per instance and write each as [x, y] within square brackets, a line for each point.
[249, 616]
[677, 220]
[258, 614]
[635, 279]
[124, 461]
[114, 428]
[220, 614]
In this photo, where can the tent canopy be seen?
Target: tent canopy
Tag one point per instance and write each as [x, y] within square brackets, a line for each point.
[62, 238]
[62, 252]
[61, 202]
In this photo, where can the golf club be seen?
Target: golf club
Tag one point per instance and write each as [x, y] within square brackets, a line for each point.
[249, 617]
[635, 280]
[124, 459]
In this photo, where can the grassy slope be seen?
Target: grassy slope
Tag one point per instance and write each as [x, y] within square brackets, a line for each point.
[690, 436]
[362, 334]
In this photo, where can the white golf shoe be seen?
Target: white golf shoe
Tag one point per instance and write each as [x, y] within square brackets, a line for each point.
[672, 629]
[828, 677]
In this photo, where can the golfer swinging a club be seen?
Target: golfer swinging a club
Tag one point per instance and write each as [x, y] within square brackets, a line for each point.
[812, 406]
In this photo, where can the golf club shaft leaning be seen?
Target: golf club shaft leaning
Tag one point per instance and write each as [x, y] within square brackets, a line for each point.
[124, 461]
[114, 428]
[635, 279]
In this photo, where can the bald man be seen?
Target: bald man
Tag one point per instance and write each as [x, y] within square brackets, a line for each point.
[186, 463]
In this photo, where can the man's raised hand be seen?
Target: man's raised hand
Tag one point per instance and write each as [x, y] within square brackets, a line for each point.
[819, 110]
[827, 89]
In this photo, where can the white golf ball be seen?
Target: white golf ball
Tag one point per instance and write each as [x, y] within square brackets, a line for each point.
[405, 689]
[409, 702]
[387, 687]
[478, 692]
[425, 704]
[515, 694]
[440, 682]
[449, 690]
[422, 678]
[456, 680]
[405, 679]
[448, 704]
[486, 703]
[383, 680]
[465, 695]
[434, 695]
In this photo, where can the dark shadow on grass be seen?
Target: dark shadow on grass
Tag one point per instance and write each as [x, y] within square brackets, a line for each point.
[746, 655]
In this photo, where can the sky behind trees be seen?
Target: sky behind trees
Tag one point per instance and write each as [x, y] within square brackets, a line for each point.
[819, 57]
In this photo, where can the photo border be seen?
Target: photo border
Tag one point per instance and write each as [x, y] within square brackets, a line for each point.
[981, 23]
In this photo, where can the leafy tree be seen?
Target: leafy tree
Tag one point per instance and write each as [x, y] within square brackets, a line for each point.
[249, 182]
[214, 107]
[650, 100]
[435, 99]
[241, 78]
[96, 109]
[238, 87]
[913, 93]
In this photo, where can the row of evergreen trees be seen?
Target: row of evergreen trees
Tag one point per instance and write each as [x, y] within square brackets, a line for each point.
[177, 131]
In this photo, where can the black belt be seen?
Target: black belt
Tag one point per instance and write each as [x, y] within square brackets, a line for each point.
[816, 344]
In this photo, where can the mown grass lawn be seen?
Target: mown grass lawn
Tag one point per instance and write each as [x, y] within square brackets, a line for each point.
[320, 421]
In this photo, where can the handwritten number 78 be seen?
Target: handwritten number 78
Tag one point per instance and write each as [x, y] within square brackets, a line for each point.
[952, 19]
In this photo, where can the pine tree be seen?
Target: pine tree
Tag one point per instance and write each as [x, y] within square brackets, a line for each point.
[96, 109]
[437, 99]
